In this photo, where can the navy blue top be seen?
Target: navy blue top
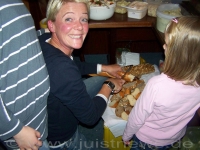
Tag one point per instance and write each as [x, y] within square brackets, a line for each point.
[68, 102]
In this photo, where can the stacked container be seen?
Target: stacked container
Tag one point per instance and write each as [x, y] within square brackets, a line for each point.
[163, 18]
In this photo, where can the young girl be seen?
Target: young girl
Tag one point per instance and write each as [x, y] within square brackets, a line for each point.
[169, 100]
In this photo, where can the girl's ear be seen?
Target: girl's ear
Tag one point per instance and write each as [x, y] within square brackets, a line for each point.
[51, 26]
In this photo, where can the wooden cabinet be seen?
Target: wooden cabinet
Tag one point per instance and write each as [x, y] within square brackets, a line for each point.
[107, 40]
[140, 40]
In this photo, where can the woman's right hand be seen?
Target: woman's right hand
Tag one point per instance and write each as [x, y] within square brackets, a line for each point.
[106, 90]
[118, 84]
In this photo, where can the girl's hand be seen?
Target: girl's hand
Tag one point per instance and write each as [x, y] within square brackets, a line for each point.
[127, 143]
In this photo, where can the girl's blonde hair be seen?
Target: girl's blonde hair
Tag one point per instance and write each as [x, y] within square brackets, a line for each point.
[54, 6]
[182, 62]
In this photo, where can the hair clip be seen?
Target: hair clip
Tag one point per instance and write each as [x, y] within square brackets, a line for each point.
[175, 20]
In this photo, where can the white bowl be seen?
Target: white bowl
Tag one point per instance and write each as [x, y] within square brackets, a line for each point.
[102, 12]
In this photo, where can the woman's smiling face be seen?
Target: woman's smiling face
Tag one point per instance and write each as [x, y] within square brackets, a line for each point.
[70, 27]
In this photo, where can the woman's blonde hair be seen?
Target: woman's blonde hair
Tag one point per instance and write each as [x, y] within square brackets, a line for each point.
[54, 6]
[182, 57]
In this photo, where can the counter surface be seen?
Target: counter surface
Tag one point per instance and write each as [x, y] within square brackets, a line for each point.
[122, 21]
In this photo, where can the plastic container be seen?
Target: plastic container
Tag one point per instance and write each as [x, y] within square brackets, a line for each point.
[137, 9]
[152, 8]
[162, 18]
[119, 9]
[137, 14]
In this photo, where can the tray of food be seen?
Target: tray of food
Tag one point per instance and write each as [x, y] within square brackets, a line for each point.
[120, 104]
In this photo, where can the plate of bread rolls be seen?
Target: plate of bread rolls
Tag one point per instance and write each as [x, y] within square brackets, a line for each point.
[124, 101]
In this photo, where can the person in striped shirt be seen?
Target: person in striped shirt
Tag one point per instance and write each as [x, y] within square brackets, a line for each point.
[24, 81]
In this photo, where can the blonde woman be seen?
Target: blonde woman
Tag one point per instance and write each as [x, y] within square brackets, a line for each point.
[71, 99]
[169, 100]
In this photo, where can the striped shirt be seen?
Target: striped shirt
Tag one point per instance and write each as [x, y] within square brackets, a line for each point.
[24, 81]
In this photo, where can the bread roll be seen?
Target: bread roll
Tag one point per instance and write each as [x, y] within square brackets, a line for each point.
[128, 109]
[122, 93]
[141, 85]
[124, 102]
[116, 96]
[118, 111]
[127, 91]
[137, 96]
[128, 77]
[141, 69]
[124, 116]
[114, 103]
[135, 93]
[105, 74]
[131, 100]
[130, 85]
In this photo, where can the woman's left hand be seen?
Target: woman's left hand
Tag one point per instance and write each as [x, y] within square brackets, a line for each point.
[112, 69]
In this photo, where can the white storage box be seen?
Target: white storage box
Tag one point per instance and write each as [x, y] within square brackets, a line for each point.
[163, 18]
[137, 14]
[137, 9]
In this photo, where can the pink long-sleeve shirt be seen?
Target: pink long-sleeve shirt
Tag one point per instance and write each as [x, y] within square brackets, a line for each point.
[162, 112]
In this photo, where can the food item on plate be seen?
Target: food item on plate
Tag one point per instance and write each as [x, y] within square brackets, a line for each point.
[114, 103]
[124, 116]
[141, 69]
[128, 109]
[141, 85]
[127, 91]
[131, 100]
[130, 85]
[105, 74]
[136, 93]
[118, 111]
[133, 74]
[117, 96]
[128, 76]
[124, 101]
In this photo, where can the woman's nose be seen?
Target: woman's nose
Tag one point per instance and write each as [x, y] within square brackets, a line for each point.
[78, 25]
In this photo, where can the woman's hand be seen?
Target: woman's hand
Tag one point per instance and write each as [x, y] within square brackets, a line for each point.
[106, 90]
[118, 84]
[112, 69]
